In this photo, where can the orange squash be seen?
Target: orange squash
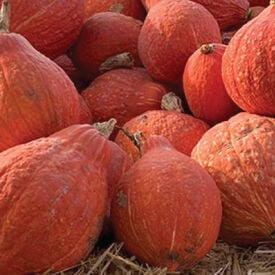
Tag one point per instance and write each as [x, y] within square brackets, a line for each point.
[53, 199]
[248, 65]
[37, 98]
[46, 24]
[239, 155]
[167, 209]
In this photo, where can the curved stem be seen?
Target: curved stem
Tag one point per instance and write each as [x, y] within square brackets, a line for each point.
[5, 17]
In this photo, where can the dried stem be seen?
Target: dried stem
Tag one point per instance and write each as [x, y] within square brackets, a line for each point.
[171, 102]
[106, 128]
[5, 17]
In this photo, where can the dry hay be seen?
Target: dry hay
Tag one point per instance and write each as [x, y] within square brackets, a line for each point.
[221, 260]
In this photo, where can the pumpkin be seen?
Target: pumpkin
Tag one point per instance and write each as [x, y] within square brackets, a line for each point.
[239, 155]
[203, 85]
[182, 130]
[255, 11]
[227, 13]
[37, 98]
[53, 199]
[46, 24]
[105, 35]
[177, 28]
[65, 62]
[123, 94]
[168, 184]
[132, 8]
[248, 65]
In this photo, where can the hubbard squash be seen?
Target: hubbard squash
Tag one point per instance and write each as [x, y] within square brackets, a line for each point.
[53, 199]
[239, 155]
[248, 65]
[167, 209]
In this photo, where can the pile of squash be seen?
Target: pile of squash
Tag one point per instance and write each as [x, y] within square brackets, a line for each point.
[150, 120]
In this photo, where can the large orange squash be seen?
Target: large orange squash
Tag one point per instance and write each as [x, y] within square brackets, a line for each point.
[203, 85]
[227, 12]
[123, 94]
[53, 199]
[50, 26]
[37, 98]
[171, 32]
[239, 155]
[248, 65]
[167, 208]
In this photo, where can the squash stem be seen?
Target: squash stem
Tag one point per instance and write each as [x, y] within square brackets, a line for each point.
[5, 17]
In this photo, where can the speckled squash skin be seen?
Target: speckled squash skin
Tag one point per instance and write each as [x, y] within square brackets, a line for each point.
[53, 200]
[46, 24]
[123, 94]
[182, 130]
[104, 35]
[248, 65]
[37, 98]
[203, 85]
[167, 209]
[132, 8]
[239, 155]
[171, 32]
[226, 12]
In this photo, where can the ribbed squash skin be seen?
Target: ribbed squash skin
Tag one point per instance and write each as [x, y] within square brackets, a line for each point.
[37, 98]
[53, 200]
[248, 65]
[123, 94]
[177, 28]
[239, 155]
[46, 24]
[203, 85]
[182, 130]
[132, 8]
[167, 209]
[104, 35]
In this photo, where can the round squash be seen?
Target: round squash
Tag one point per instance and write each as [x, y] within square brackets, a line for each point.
[203, 85]
[37, 98]
[239, 155]
[105, 35]
[50, 207]
[123, 94]
[132, 8]
[248, 65]
[168, 184]
[177, 28]
[46, 24]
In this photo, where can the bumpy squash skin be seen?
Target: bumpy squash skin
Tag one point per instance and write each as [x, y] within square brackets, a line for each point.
[203, 85]
[248, 65]
[46, 24]
[123, 94]
[53, 200]
[182, 130]
[171, 32]
[104, 35]
[227, 12]
[167, 209]
[131, 8]
[37, 98]
[239, 155]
